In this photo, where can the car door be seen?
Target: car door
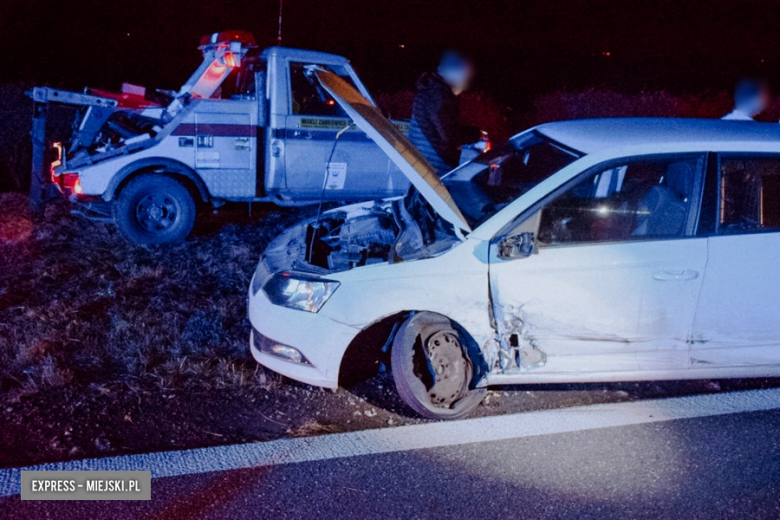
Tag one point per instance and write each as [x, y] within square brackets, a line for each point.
[320, 138]
[616, 273]
[738, 320]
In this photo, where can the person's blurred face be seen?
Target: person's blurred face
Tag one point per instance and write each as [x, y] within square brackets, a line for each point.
[763, 100]
[457, 72]
[753, 97]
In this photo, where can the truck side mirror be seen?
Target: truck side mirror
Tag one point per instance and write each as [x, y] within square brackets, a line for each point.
[516, 246]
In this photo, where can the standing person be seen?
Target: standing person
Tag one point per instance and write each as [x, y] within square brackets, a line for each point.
[435, 129]
[751, 97]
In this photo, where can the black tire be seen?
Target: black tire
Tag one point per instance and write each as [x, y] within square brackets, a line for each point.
[415, 378]
[154, 209]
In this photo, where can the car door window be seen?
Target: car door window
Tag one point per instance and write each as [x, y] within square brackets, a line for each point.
[636, 200]
[309, 98]
[749, 194]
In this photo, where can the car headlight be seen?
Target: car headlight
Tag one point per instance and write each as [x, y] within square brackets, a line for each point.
[296, 291]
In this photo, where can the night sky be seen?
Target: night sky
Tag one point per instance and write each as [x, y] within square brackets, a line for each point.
[525, 47]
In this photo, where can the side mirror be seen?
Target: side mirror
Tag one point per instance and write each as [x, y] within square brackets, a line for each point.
[516, 246]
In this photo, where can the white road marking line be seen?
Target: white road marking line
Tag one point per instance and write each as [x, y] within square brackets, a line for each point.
[415, 437]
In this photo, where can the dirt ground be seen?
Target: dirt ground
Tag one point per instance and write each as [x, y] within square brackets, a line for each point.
[106, 348]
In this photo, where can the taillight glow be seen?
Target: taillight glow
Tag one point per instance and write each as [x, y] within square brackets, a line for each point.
[56, 163]
[230, 60]
[70, 182]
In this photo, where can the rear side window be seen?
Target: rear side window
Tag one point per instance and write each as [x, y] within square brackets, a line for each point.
[749, 194]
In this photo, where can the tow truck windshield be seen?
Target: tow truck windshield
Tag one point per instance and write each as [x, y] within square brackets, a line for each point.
[485, 185]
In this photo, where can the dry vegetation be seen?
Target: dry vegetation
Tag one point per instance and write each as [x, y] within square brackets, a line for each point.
[79, 304]
[110, 348]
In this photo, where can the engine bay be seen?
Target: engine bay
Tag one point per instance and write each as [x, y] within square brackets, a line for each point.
[369, 234]
[338, 241]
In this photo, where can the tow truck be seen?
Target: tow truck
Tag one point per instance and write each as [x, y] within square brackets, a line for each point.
[249, 125]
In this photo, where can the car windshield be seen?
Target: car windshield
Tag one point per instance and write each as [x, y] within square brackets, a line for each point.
[484, 186]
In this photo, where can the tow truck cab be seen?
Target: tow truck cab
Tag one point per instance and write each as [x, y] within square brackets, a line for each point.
[248, 125]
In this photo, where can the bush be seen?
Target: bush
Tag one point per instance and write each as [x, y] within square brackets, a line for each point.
[603, 103]
[607, 103]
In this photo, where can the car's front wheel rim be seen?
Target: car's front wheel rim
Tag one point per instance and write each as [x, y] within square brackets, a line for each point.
[451, 374]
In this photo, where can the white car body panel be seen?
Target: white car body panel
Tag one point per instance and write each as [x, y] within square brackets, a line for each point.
[397, 288]
[597, 311]
[453, 284]
[324, 348]
[602, 305]
[738, 319]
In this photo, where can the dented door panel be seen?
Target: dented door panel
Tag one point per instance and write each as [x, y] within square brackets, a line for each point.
[601, 307]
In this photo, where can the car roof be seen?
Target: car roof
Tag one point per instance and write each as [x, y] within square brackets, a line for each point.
[594, 135]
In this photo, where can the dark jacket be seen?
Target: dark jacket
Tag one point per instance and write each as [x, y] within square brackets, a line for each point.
[435, 128]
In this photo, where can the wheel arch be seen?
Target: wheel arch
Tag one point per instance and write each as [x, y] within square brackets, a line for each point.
[159, 165]
[373, 343]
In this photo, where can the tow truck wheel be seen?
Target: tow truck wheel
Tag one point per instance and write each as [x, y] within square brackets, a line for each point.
[432, 369]
[154, 209]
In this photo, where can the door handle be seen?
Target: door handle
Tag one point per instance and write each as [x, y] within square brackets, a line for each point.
[675, 276]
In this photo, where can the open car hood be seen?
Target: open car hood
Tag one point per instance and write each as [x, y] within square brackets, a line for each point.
[403, 153]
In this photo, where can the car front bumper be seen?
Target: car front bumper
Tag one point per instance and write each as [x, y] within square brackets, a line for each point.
[320, 340]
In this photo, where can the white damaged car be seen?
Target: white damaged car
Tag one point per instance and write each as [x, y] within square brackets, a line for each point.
[582, 251]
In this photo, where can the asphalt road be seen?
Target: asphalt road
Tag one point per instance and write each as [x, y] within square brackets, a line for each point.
[713, 464]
